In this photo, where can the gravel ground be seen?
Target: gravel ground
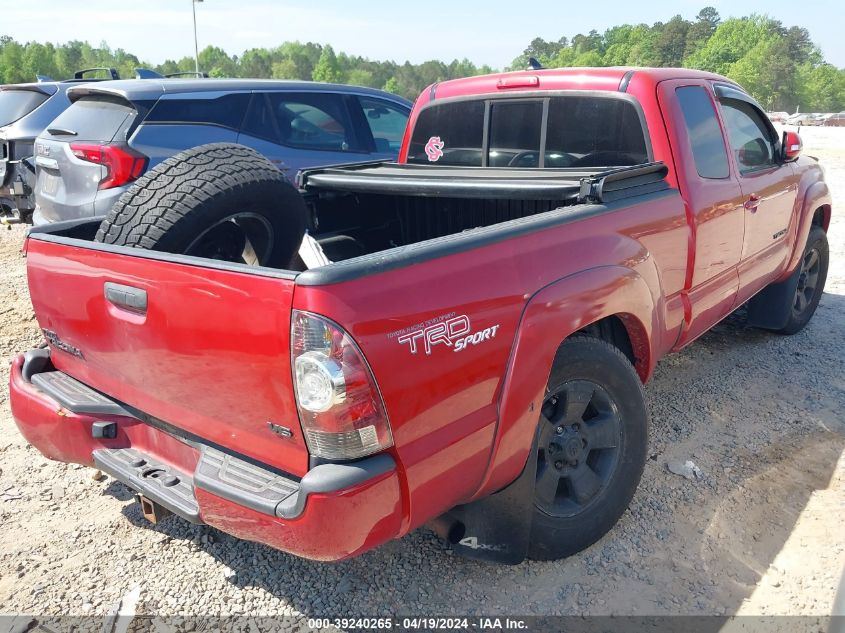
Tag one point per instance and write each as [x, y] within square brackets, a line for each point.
[759, 533]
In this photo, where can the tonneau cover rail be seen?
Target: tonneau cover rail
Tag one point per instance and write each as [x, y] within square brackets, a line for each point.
[584, 185]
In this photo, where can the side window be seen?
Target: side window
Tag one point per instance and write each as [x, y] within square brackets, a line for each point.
[750, 137]
[515, 134]
[387, 123]
[312, 121]
[226, 111]
[259, 122]
[705, 136]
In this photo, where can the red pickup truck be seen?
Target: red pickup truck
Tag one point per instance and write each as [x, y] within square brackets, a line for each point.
[472, 357]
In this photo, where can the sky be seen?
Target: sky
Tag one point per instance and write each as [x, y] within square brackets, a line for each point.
[484, 31]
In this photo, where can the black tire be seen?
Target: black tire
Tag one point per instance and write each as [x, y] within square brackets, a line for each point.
[591, 384]
[811, 280]
[6, 208]
[221, 200]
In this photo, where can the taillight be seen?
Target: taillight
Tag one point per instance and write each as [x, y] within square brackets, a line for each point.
[531, 81]
[340, 407]
[122, 164]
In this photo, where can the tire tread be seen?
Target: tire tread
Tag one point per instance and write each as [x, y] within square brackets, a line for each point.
[179, 188]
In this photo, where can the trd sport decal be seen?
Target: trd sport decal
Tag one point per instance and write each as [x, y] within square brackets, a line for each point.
[449, 330]
[434, 149]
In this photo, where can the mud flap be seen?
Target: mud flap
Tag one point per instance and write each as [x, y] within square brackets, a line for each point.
[771, 308]
[497, 528]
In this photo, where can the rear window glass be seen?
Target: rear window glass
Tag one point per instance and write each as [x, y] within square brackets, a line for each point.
[226, 111]
[581, 131]
[456, 128]
[594, 132]
[705, 136]
[15, 104]
[515, 133]
[93, 119]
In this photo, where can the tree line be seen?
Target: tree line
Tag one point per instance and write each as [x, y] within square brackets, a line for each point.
[779, 65]
[21, 62]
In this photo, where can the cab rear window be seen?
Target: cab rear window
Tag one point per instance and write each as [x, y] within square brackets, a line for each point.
[459, 126]
[93, 119]
[580, 131]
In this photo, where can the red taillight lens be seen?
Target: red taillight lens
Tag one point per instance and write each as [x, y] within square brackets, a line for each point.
[518, 82]
[340, 407]
[122, 165]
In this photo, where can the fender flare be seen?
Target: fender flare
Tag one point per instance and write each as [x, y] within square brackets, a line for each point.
[551, 315]
[817, 195]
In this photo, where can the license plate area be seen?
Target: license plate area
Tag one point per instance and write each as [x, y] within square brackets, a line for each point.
[50, 185]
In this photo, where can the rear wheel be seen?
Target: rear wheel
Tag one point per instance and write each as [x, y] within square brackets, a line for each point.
[592, 441]
[7, 209]
[220, 201]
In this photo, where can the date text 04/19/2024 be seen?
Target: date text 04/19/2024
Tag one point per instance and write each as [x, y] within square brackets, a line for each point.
[422, 623]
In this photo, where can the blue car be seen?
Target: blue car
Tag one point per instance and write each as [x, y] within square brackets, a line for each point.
[113, 132]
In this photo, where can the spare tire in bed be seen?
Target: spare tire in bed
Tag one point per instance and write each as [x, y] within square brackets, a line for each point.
[223, 201]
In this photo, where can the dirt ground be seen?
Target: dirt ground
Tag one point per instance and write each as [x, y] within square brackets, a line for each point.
[760, 532]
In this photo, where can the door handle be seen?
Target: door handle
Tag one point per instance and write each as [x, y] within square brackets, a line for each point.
[126, 297]
[752, 203]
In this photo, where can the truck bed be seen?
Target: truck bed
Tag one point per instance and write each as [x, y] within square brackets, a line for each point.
[373, 217]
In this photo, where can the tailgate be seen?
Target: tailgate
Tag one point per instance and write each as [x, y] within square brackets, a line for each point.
[210, 353]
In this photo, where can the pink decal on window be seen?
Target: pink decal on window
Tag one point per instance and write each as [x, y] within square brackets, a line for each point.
[434, 149]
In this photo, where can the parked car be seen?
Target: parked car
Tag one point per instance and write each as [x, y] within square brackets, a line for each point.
[25, 111]
[777, 117]
[546, 237]
[836, 120]
[112, 133]
[804, 118]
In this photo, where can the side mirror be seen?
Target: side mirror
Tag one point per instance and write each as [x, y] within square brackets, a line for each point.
[791, 146]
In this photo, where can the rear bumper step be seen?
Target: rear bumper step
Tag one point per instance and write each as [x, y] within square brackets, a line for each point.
[158, 482]
[222, 474]
[261, 490]
[244, 483]
[76, 396]
[202, 483]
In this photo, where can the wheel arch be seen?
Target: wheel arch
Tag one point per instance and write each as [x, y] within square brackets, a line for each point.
[612, 302]
[814, 208]
[627, 333]
[821, 217]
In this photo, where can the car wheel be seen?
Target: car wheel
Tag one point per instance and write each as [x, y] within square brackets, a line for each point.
[591, 450]
[220, 201]
[6, 208]
[811, 280]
